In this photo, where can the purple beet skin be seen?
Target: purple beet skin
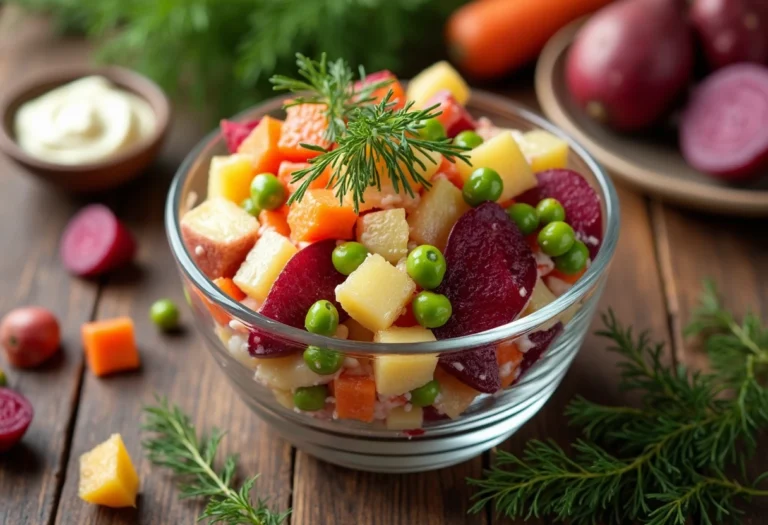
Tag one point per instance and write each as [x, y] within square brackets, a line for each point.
[308, 277]
[236, 132]
[581, 203]
[491, 273]
[540, 341]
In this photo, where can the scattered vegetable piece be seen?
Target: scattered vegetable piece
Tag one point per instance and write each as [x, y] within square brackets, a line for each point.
[574, 260]
[556, 238]
[426, 394]
[30, 336]
[323, 361]
[262, 145]
[468, 139]
[482, 186]
[431, 310]
[509, 358]
[263, 264]
[432, 129]
[348, 256]
[310, 398]
[322, 318]
[267, 192]
[304, 124]
[236, 132]
[355, 397]
[398, 93]
[230, 177]
[16, 414]
[110, 346]
[288, 168]
[165, 314]
[107, 475]
[438, 77]
[275, 220]
[550, 210]
[525, 216]
[319, 216]
[426, 265]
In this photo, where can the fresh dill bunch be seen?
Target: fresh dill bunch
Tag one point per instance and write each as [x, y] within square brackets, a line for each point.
[176, 445]
[660, 463]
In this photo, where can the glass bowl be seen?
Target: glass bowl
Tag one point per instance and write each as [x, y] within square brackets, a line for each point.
[489, 419]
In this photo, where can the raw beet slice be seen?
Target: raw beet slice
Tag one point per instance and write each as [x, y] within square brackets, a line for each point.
[454, 117]
[538, 343]
[95, 241]
[581, 203]
[15, 416]
[477, 368]
[308, 277]
[724, 128]
[235, 132]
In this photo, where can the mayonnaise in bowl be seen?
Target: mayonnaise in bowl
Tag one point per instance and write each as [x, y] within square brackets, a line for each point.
[83, 122]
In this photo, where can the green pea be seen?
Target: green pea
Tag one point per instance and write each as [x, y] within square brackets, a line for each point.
[550, 210]
[431, 310]
[250, 206]
[322, 318]
[556, 238]
[310, 398]
[267, 192]
[426, 265]
[323, 361]
[432, 129]
[525, 216]
[425, 395]
[164, 314]
[468, 139]
[574, 260]
[348, 256]
[483, 185]
[3, 379]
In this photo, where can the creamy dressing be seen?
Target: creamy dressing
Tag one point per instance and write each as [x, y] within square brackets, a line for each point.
[85, 121]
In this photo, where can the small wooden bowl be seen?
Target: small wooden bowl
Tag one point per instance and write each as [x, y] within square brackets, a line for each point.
[97, 176]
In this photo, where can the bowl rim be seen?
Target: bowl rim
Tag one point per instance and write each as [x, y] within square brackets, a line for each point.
[479, 100]
[127, 79]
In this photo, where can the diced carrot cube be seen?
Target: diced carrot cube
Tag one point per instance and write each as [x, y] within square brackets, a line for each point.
[509, 358]
[262, 145]
[229, 287]
[450, 172]
[567, 278]
[318, 215]
[275, 220]
[288, 168]
[398, 93]
[110, 346]
[304, 124]
[355, 397]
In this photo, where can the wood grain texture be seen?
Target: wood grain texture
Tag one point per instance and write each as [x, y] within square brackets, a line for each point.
[32, 216]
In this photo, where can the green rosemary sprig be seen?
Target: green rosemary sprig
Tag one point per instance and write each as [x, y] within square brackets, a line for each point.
[661, 463]
[176, 445]
[369, 138]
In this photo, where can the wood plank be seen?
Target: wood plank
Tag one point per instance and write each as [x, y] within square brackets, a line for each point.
[731, 251]
[31, 220]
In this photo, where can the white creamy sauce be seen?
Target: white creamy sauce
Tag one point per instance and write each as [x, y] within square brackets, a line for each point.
[85, 121]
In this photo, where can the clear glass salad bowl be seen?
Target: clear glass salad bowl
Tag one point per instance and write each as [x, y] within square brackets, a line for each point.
[489, 420]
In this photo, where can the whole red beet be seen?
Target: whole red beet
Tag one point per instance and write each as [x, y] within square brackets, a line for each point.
[630, 62]
[732, 31]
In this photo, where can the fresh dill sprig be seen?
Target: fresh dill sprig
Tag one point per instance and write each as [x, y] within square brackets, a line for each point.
[176, 445]
[662, 462]
[370, 139]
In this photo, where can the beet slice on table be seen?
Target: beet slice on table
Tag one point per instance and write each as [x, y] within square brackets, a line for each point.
[15, 416]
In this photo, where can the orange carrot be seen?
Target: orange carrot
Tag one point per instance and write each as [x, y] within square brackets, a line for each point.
[305, 123]
[488, 38]
[398, 93]
[319, 216]
[288, 168]
[275, 220]
[450, 172]
[229, 287]
[567, 278]
[262, 144]
[110, 346]
[509, 357]
[355, 397]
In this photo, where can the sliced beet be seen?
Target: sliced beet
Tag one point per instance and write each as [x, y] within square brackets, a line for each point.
[581, 203]
[236, 132]
[95, 242]
[477, 368]
[15, 416]
[308, 277]
[538, 342]
[724, 128]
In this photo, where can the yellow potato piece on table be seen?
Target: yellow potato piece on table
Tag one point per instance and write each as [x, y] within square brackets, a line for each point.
[438, 211]
[544, 150]
[263, 264]
[401, 419]
[375, 294]
[107, 475]
[398, 374]
[384, 232]
[436, 78]
[230, 177]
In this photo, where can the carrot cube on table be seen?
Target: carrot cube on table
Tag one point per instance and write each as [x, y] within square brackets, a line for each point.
[262, 145]
[318, 215]
[110, 346]
[355, 397]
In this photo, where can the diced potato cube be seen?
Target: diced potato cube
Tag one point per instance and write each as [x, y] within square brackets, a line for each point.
[356, 331]
[398, 374]
[384, 232]
[502, 153]
[287, 373]
[285, 398]
[401, 419]
[230, 177]
[435, 78]
[218, 235]
[107, 475]
[544, 150]
[455, 397]
[263, 264]
[438, 211]
[375, 294]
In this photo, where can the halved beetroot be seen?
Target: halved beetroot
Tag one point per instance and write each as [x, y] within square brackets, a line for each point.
[581, 203]
[491, 274]
[724, 128]
[15, 416]
[538, 343]
[454, 117]
[308, 277]
[236, 132]
[95, 242]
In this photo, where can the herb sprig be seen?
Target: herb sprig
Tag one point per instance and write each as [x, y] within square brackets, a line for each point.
[176, 445]
[370, 138]
[679, 455]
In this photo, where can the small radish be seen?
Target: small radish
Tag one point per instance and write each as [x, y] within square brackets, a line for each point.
[724, 128]
[236, 132]
[95, 241]
[15, 416]
[30, 336]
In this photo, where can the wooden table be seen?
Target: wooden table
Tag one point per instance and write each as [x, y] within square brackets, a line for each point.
[663, 256]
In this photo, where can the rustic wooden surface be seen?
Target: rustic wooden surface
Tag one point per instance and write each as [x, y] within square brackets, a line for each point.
[662, 257]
